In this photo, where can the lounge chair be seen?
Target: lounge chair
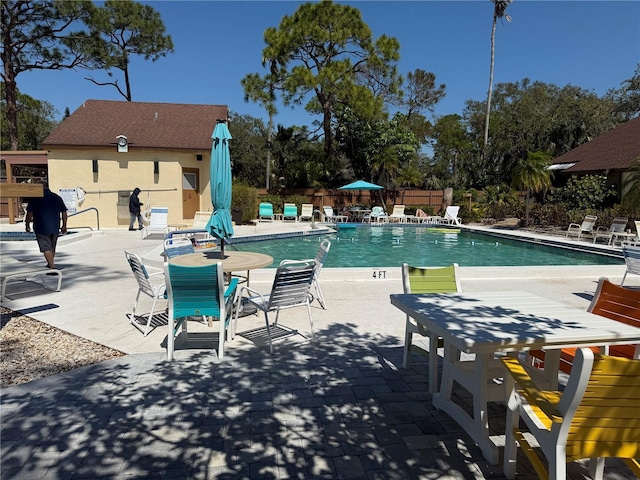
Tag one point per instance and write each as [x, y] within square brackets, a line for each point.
[198, 291]
[377, 215]
[13, 270]
[158, 222]
[595, 416]
[426, 280]
[149, 284]
[265, 212]
[397, 215]
[618, 225]
[451, 216]
[586, 228]
[177, 246]
[306, 212]
[631, 259]
[422, 217]
[331, 217]
[290, 212]
[200, 220]
[290, 289]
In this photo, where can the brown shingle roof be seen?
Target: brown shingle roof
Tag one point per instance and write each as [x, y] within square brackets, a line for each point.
[146, 125]
[616, 149]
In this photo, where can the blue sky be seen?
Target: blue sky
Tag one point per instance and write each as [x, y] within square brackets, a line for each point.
[591, 44]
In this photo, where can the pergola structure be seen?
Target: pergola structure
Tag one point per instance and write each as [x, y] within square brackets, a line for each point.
[12, 190]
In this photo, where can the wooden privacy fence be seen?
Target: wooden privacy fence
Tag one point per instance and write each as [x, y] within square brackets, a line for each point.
[341, 198]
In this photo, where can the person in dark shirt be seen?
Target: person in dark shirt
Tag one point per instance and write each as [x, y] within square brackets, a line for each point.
[134, 209]
[45, 213]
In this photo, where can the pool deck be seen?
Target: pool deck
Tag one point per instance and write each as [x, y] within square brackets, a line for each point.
[339, 407]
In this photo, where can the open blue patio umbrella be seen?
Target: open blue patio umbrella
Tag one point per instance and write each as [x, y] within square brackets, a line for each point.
[220, 224]
[361, 185]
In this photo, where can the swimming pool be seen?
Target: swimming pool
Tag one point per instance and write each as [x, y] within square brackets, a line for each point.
[391, 246]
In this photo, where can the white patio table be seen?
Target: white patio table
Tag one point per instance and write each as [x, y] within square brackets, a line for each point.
[485, 323]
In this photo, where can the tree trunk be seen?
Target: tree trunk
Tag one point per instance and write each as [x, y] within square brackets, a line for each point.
[489, 93]
[10, 88]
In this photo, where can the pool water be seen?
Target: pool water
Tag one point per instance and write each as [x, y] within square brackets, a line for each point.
[392, 246]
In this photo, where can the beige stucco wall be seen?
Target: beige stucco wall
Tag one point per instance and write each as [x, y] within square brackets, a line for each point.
[72, 167]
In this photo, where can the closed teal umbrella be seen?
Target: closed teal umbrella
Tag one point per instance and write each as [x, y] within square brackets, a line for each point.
[220, 224]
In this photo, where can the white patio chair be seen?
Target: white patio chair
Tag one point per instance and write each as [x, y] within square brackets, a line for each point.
[290, 289]
[158, 222]
[151, 285]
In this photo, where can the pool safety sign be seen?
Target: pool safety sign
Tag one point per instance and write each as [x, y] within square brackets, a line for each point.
[70, 198]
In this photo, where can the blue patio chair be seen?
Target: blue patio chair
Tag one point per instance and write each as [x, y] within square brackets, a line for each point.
[290, 212]
[198, 291]
[265, 212]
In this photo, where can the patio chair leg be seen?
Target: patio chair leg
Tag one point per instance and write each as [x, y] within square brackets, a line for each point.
[266, 319]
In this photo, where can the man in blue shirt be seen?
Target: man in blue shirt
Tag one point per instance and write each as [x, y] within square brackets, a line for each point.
[45, 212]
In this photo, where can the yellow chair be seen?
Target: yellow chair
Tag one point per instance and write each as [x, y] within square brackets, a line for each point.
[426, 280]
[596, 416]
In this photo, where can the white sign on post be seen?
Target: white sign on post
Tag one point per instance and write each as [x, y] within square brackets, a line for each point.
[70, 198]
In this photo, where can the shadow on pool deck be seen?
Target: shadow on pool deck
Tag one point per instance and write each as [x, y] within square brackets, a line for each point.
[341, 407]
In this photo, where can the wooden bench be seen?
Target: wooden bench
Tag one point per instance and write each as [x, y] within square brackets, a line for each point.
[610, 301]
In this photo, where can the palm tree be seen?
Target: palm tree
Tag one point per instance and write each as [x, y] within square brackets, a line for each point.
[499, 11]
[533, 175]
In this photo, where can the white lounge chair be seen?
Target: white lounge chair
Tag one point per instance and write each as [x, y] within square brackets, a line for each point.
[306, 212]
[377, 215]
[631, 259]
[617, 226]
[586, 228]
[329, 216]
[158, 222]
[200, 220]
[397, 215]
[451, 216]
[14, 270]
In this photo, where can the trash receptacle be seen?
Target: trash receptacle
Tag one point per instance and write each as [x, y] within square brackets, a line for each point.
[236, 216]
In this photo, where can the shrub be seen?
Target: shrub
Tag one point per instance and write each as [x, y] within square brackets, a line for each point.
[587, 192]
[245, 198]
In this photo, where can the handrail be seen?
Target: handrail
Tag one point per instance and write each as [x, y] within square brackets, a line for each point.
[86, 210]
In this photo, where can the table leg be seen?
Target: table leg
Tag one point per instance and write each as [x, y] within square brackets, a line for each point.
[475, 379]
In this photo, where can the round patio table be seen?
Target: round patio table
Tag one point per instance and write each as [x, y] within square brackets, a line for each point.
[233, 261]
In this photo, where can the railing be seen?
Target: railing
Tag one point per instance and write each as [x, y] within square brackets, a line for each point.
[86, 210]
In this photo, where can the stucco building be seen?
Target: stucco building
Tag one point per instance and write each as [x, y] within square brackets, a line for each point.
[107, 148]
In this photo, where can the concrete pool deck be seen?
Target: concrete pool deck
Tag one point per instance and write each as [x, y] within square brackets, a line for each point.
[341, 407]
